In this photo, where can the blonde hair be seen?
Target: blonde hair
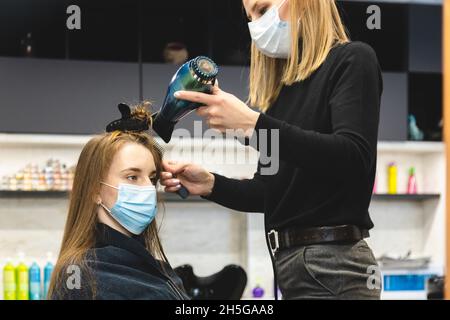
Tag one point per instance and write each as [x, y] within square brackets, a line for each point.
[320, 28]
[80, 229]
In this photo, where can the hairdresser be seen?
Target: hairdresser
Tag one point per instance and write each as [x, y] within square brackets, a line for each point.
[321, 93]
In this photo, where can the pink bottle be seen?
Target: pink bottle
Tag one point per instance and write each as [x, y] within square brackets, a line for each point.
[412, 183]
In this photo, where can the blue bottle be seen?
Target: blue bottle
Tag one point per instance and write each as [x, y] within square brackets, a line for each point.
[48, 269]
[35, 282]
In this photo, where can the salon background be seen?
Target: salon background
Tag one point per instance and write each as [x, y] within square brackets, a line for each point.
[57, 87]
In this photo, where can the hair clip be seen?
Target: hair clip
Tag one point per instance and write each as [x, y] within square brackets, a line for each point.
[127, 123]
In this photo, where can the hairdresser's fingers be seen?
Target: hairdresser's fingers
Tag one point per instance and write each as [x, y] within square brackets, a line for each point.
[171, 182]
[172, 189]
[210, 112]
[202, 111]
[199, 97]
[166, 175]
[174, 167]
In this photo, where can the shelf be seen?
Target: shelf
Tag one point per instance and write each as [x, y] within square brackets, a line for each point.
[418, 147]
[170, 197]
[62, 140]
[405, 197]
[404, 295]
[66, 140]
[6, 194]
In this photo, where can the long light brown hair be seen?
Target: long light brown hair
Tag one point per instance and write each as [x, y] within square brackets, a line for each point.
[92, 167]
[318, 30]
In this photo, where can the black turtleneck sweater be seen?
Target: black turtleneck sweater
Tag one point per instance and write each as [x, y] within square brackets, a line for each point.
[328, 128]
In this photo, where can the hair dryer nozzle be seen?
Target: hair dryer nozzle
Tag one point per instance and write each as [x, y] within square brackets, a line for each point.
[163, 127]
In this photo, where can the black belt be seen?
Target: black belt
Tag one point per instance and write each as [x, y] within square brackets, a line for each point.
[293, 237]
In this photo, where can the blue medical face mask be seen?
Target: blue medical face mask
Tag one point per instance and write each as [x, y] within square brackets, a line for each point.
[271, 35]
[135, 208]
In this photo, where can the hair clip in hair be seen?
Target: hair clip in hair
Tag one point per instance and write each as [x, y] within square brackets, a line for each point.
[127, 123]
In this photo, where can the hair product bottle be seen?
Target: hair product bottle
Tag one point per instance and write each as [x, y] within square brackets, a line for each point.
[9, 281]
[22, 278]
[35, 282]
[412, 182]
[392, 178]
[48, 269]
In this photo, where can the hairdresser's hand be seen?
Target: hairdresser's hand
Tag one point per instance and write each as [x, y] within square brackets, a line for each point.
[197, 180]
[222, 110]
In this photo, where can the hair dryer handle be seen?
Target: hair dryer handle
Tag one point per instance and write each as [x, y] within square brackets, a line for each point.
[183, 192]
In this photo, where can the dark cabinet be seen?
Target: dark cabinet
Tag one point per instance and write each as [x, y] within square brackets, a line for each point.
[32, 28]
[391, 41]
[109, 31]
[121, 50]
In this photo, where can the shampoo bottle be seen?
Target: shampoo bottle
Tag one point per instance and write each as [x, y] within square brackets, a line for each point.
[48, 269]
[22, 278]
[35, 282]
[9, 281]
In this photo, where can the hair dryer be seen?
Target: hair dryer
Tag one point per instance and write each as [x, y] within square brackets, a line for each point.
[199, 75]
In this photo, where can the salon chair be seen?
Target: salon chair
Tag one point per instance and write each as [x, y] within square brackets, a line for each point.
[227, 284]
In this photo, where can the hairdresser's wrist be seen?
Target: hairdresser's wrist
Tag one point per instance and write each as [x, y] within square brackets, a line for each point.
[250, 123]
[209, 185]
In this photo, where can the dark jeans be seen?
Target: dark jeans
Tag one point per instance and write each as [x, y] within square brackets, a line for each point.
[328, 271]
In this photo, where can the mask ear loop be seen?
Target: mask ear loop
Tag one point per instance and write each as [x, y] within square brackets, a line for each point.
[281, 4]
[104, 207]
[109, 185]
[101, 202]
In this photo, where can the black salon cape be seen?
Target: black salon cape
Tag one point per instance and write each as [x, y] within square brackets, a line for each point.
[123, 270]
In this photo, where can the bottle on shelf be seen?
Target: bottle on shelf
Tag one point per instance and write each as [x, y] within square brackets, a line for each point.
[257, 291]
[412, 182]
[53, 176]
[48, 269]
[35, 282]
[392, 178]
[22, 278]
[9, 281]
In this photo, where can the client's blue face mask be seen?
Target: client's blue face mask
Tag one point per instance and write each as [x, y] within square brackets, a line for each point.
[135, 207]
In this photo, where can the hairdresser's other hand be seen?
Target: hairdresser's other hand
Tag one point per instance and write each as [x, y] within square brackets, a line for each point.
[222, 110]
[196, 179]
